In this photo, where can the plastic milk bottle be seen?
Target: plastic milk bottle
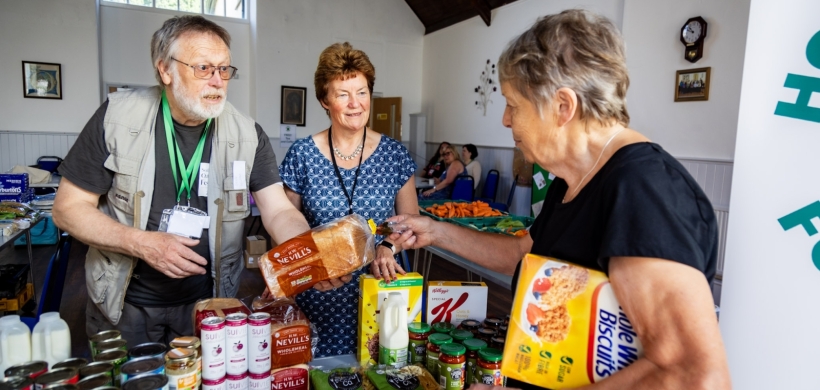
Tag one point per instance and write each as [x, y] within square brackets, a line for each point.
[15, 342]
[51, 340]
[393, 337]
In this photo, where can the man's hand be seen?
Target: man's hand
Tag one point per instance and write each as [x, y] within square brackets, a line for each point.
[327, 285]
[170, 254]
[422, 229]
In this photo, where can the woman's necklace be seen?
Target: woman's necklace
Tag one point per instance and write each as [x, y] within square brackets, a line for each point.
[353, 155]
[578, 187]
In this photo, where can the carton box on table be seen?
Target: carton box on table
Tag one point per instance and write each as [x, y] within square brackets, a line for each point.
[373, 293]
[454, 302]
[256, 245]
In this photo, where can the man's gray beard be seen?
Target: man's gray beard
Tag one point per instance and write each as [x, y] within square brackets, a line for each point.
[192, 107]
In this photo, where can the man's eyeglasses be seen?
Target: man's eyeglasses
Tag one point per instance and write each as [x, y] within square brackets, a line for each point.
[226, 72]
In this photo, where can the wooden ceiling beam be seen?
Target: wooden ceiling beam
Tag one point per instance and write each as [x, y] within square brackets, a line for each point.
[483, 10]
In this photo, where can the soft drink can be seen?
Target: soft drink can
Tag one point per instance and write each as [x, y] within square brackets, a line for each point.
[213, 348]
[259, 341]
[236, 333]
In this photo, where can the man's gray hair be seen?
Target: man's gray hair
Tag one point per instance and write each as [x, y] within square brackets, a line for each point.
[575, 49]
[163, 43]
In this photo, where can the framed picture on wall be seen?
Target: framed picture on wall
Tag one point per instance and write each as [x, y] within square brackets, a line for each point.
[42, 80]
[692, 84]
[293, 105]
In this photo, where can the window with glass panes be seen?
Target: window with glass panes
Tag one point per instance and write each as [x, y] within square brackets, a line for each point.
[227, 8]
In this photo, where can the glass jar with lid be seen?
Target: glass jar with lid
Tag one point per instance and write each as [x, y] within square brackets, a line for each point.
[418, 332]
[180, 367]
[489, 367]
[434, 343]
[452, 363]
[473, 346]
[443, 327]
[459, 335]
[191, 342]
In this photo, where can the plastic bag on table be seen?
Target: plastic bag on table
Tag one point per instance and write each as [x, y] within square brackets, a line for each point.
[349, 377]
[215, 307]
[325, 252]
[410, 377]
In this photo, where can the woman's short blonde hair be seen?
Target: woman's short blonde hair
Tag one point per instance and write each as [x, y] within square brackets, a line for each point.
[575, 49]
[340, 61]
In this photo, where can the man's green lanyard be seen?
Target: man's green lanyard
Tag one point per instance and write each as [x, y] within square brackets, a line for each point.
[188, 172]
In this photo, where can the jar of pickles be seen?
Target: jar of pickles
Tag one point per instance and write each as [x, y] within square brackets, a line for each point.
[452, 363]
[459, 335]
[180, 367]
[473, 346]
[434, 343]
[418, 332]
[489, 367]
[443, 327]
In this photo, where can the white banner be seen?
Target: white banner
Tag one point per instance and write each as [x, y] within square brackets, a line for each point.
[769, 308]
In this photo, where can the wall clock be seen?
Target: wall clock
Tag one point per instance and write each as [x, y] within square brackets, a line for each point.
[692, 35]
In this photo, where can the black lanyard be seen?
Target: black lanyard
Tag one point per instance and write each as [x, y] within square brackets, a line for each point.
[339, 174]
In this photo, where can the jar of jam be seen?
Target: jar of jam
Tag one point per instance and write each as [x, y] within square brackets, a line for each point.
[502, 330]
[459, 335]
[497, 342]
[434, 343]
[489, 367]
[493, 322]
[418, 333]
[473, 346]
[452, 363]
[443, 327]
[486, 334]
[471, 325]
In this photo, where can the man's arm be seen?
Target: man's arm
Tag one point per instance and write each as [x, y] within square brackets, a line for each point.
[75, 211]
[281, 220]
[492, 251]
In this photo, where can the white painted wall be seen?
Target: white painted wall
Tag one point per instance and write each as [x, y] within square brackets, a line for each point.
[455, 57]
[63, 32]
[290, 35]
[126, 48]
[689, 129]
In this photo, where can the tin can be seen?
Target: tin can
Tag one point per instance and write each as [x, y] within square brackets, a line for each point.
[213, 348]
[236, 340]
[75, 363]
[95, 381]
[102, 336]
[154, 350]
[30, 369]
[259, 381]
[117, 357]
[95, 368]
[147, 382]
[218, 384]
[60, 376]
[237, 382]
[106, 345]
[106, 388]
[180, 368]
[23, 383]
[62, 387]
[192, 343]
[259, 343]
[141, 366]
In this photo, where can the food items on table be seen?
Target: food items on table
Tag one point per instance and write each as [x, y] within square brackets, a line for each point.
[418, 333]
[259, 345]
[411, 377]
[347, 378]
[461, 210]
[328, 251]
[183, 369]
[454, 302]
[452, 363]
[290, 333]
[489, 368]
[473, 346]
[215, 307]
[393, 334]
[373, 293]
[214, 361]
[434, 343]
[192, 344]
[566, 329]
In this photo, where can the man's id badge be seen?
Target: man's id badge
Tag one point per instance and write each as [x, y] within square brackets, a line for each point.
[184, 221]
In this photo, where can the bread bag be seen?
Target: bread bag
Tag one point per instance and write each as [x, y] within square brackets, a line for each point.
[215, 307]
[290, 331]
[325, 252]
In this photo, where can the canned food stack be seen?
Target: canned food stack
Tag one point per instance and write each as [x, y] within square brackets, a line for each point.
[236, 352]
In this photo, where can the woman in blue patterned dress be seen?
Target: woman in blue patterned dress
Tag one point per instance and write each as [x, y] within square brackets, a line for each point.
[377, 173]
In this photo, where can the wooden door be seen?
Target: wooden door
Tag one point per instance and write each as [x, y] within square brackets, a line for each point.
[385, 116]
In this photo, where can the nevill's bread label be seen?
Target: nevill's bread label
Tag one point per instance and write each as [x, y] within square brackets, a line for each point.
[566, 327]
[290, 378]
[291, 251]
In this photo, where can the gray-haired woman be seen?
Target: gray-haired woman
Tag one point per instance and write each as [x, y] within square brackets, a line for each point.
[621, 203]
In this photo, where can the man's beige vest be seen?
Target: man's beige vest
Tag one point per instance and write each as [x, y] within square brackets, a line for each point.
[129, 137]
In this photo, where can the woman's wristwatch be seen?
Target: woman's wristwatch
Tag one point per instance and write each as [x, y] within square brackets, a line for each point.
[388, 245]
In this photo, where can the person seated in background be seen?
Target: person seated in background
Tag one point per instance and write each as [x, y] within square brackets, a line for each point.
[444, 185]
[468, 154]
[435, 167]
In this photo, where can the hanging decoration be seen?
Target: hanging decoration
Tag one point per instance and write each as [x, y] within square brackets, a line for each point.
[487, 87]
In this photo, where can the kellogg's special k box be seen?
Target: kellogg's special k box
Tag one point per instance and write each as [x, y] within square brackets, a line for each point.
[566, 327]
[454, 302]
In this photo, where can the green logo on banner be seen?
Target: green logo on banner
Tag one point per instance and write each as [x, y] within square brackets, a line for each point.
[803, 218]
[807, 86]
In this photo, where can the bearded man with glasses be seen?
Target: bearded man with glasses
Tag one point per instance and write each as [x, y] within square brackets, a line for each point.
[157, 185]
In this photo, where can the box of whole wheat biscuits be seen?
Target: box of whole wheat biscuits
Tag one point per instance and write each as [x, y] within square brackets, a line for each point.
[566, 327]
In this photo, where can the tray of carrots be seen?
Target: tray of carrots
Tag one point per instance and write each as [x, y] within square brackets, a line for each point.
[455, 209]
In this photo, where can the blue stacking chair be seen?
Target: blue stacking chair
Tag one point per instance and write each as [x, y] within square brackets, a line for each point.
[463, 188]
[506, 206]
[52, 293]
[490, 189]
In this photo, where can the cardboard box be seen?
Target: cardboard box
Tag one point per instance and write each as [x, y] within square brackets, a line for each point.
[373, 293]
[454, 302]
[256, 245]
[14, 187]
[252, 261]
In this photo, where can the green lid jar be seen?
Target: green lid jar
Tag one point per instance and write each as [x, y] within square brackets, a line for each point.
[459, 335]
[473, 346]
[443, 327]
[489, 367]
[418, 332]
[434, 343]
[452, 365]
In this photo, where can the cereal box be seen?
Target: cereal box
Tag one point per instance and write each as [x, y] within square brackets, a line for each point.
[566, 327]
[373, 293]
[454, 302]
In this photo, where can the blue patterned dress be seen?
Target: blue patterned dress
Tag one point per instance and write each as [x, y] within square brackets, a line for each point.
[309, 173]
